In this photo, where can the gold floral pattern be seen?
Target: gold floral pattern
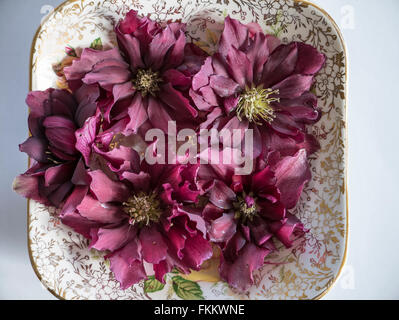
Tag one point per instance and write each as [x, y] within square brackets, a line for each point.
[61, 258]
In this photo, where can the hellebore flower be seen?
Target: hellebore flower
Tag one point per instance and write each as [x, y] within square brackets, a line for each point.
[57, 167]
[147, 79]
[148, 216]
[245, 213]
[255, 82]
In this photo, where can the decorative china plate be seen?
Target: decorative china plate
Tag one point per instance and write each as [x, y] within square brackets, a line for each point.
[70, 270]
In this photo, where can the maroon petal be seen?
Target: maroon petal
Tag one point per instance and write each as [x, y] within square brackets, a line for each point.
[161, 269]
[87, 96]
[199, 101]
[239, 273]
[113, 238]
[127, 266]
[130, 23]
[157, 114]
[87, 60]
[175, 99]
[230, 103]
[176, 78]
[258, 54]
[107, 190]
[175, 56]
[29, 187]
[223, 228]
[235, 244]
[196, 251]
[85, 138]
[272, 211]
[280, 64]
[221, 195]
[92, 209]
[177, 239]
[293, 86]
[76, 197]
[263, 179]
[153, 247]
[61, 133]
[59, 174]
[108, 76]
[137, 113]
[223, 86]
[284, 230]
[201, 79]
[61, 193]
[260, 231]
[235, 34]
[292, 173]
[239, 67]
[140, 181]
[158, 48]
[310, 61]
[35, 148]
[285, 124]
[130, 45]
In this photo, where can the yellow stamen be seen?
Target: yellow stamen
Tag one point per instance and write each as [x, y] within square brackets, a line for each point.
[147, 81]
[143, 208]
[254, 104]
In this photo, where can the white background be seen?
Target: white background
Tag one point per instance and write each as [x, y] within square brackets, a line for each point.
[370, 30]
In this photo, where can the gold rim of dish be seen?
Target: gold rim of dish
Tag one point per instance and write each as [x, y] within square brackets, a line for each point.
[333, 281]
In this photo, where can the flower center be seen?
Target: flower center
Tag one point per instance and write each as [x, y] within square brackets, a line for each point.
[245, 207]
[147, 81]
[254, 104]
[143, 208]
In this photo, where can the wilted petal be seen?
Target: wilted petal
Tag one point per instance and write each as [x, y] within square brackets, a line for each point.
[137, 113]
[310, 61]
[107, 190]
[127, 265]
[175, 99]
[284, 230]
[293, 86]
[85, 138]
[292, 173]
[280, 64]
[263, 179]
[223, 86]
[29, 187]
[239, 67]
[259, 231]
[158, 48]
[157, 114]
[221, 195]
[59, 174]
[196, 251]
[94, 210]
[239, 273]
[235, 34]
[176, 78]
[35, 148]
[108, 76]
[153, 247]
[223, 228]
[202, 77]
[113, 238]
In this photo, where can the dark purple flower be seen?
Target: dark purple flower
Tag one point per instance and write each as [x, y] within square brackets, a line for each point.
[255, 82]
[244, 213]
[147, 79]
[148, 216]
[57, 167]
